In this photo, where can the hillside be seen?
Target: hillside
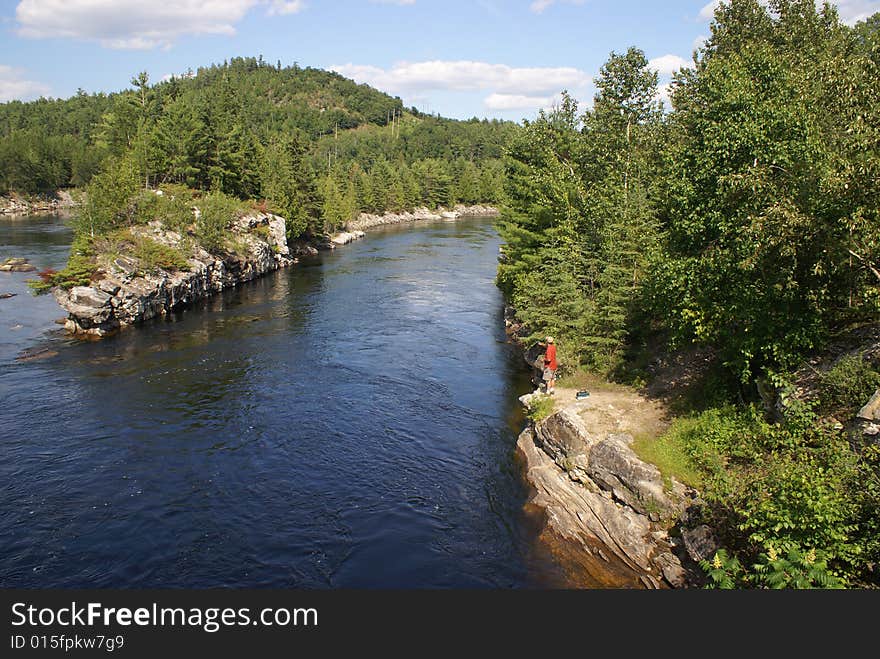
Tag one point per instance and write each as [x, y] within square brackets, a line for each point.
[221, 127]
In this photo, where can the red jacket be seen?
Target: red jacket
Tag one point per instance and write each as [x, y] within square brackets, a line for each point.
[550, 357]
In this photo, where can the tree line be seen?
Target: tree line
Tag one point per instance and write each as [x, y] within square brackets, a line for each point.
[252, 130]
[744, 220]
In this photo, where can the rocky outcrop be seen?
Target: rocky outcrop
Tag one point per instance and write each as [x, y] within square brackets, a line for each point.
[338, 239]
[366, 221]
[16, 265]
[596, 493]
[18, 205]
[123, 294]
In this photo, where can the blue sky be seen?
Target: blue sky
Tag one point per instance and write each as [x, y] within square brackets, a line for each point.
[485, 58]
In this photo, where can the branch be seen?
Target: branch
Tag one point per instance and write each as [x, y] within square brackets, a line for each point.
[867, 263]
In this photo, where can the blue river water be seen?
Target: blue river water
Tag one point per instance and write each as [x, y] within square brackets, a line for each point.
[345, 423]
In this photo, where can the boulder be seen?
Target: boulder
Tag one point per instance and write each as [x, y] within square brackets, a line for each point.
[700, 543]
[566, 440]
[16, 265]
[614, 466]
[871, 411]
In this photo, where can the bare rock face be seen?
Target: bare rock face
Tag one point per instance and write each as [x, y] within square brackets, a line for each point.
[620, 547]
[565, 439]
[598, 493]
[614, 466]
[367, 221]
[123, 295]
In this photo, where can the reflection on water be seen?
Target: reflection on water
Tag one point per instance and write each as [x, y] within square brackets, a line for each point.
[346, 423]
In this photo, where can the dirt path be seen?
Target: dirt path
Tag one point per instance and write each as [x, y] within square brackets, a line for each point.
[612, 409]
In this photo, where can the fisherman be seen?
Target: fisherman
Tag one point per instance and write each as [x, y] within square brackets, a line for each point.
[550, 366]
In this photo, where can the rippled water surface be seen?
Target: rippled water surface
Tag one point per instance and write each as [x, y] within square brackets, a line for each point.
[349, 422]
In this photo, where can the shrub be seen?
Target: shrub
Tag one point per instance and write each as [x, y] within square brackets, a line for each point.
[155, 256]
[217, 211]
[80, 268]
[540, 408]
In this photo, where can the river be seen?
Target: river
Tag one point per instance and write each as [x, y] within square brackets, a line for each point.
[345, 423]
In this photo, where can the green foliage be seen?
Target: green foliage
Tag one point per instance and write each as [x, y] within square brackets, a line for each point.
[724, 571]
[79, 270]
[668, 454]
[581, 221]
[795, 484]
[288, 184]
[763, 208]
[796, 569]
[216, 212]
[154, 256]
[540, 408]
[106, 204]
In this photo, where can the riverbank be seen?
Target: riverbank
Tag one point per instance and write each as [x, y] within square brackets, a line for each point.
[366, 221]
[15, 204]
[125, 290]
[610, 518]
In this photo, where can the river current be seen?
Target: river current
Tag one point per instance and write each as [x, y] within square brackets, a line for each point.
[348, 422]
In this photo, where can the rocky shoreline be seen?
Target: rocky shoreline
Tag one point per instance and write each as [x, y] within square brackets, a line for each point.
[18, 205]
[366, 221]
[123, 294]
[610, 518]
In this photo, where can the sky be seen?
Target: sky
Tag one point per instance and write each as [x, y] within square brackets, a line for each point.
[503, 59]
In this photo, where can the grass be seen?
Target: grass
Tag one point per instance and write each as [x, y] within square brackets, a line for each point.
[669, 453]
[583, 379]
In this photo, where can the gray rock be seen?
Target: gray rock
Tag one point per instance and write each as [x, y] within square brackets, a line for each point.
[619, 547]
[700, 543]
[126, 266]
[614, 466]
[87, 296]
[16, 265]
[871, 411]
[565, 439]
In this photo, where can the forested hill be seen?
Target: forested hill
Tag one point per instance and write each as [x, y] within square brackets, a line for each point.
[48, 144]
[215, 129]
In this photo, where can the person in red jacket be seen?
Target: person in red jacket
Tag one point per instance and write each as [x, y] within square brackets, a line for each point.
[550, 366]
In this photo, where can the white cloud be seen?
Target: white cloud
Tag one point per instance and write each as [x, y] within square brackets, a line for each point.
[851, 11]
[135, 24]
[663, 94]
[538, 6]
[707, 13]
[284, 7]
[14, 88]
[666, 65]
[699, 42]
[466, 75]
[505, 102]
